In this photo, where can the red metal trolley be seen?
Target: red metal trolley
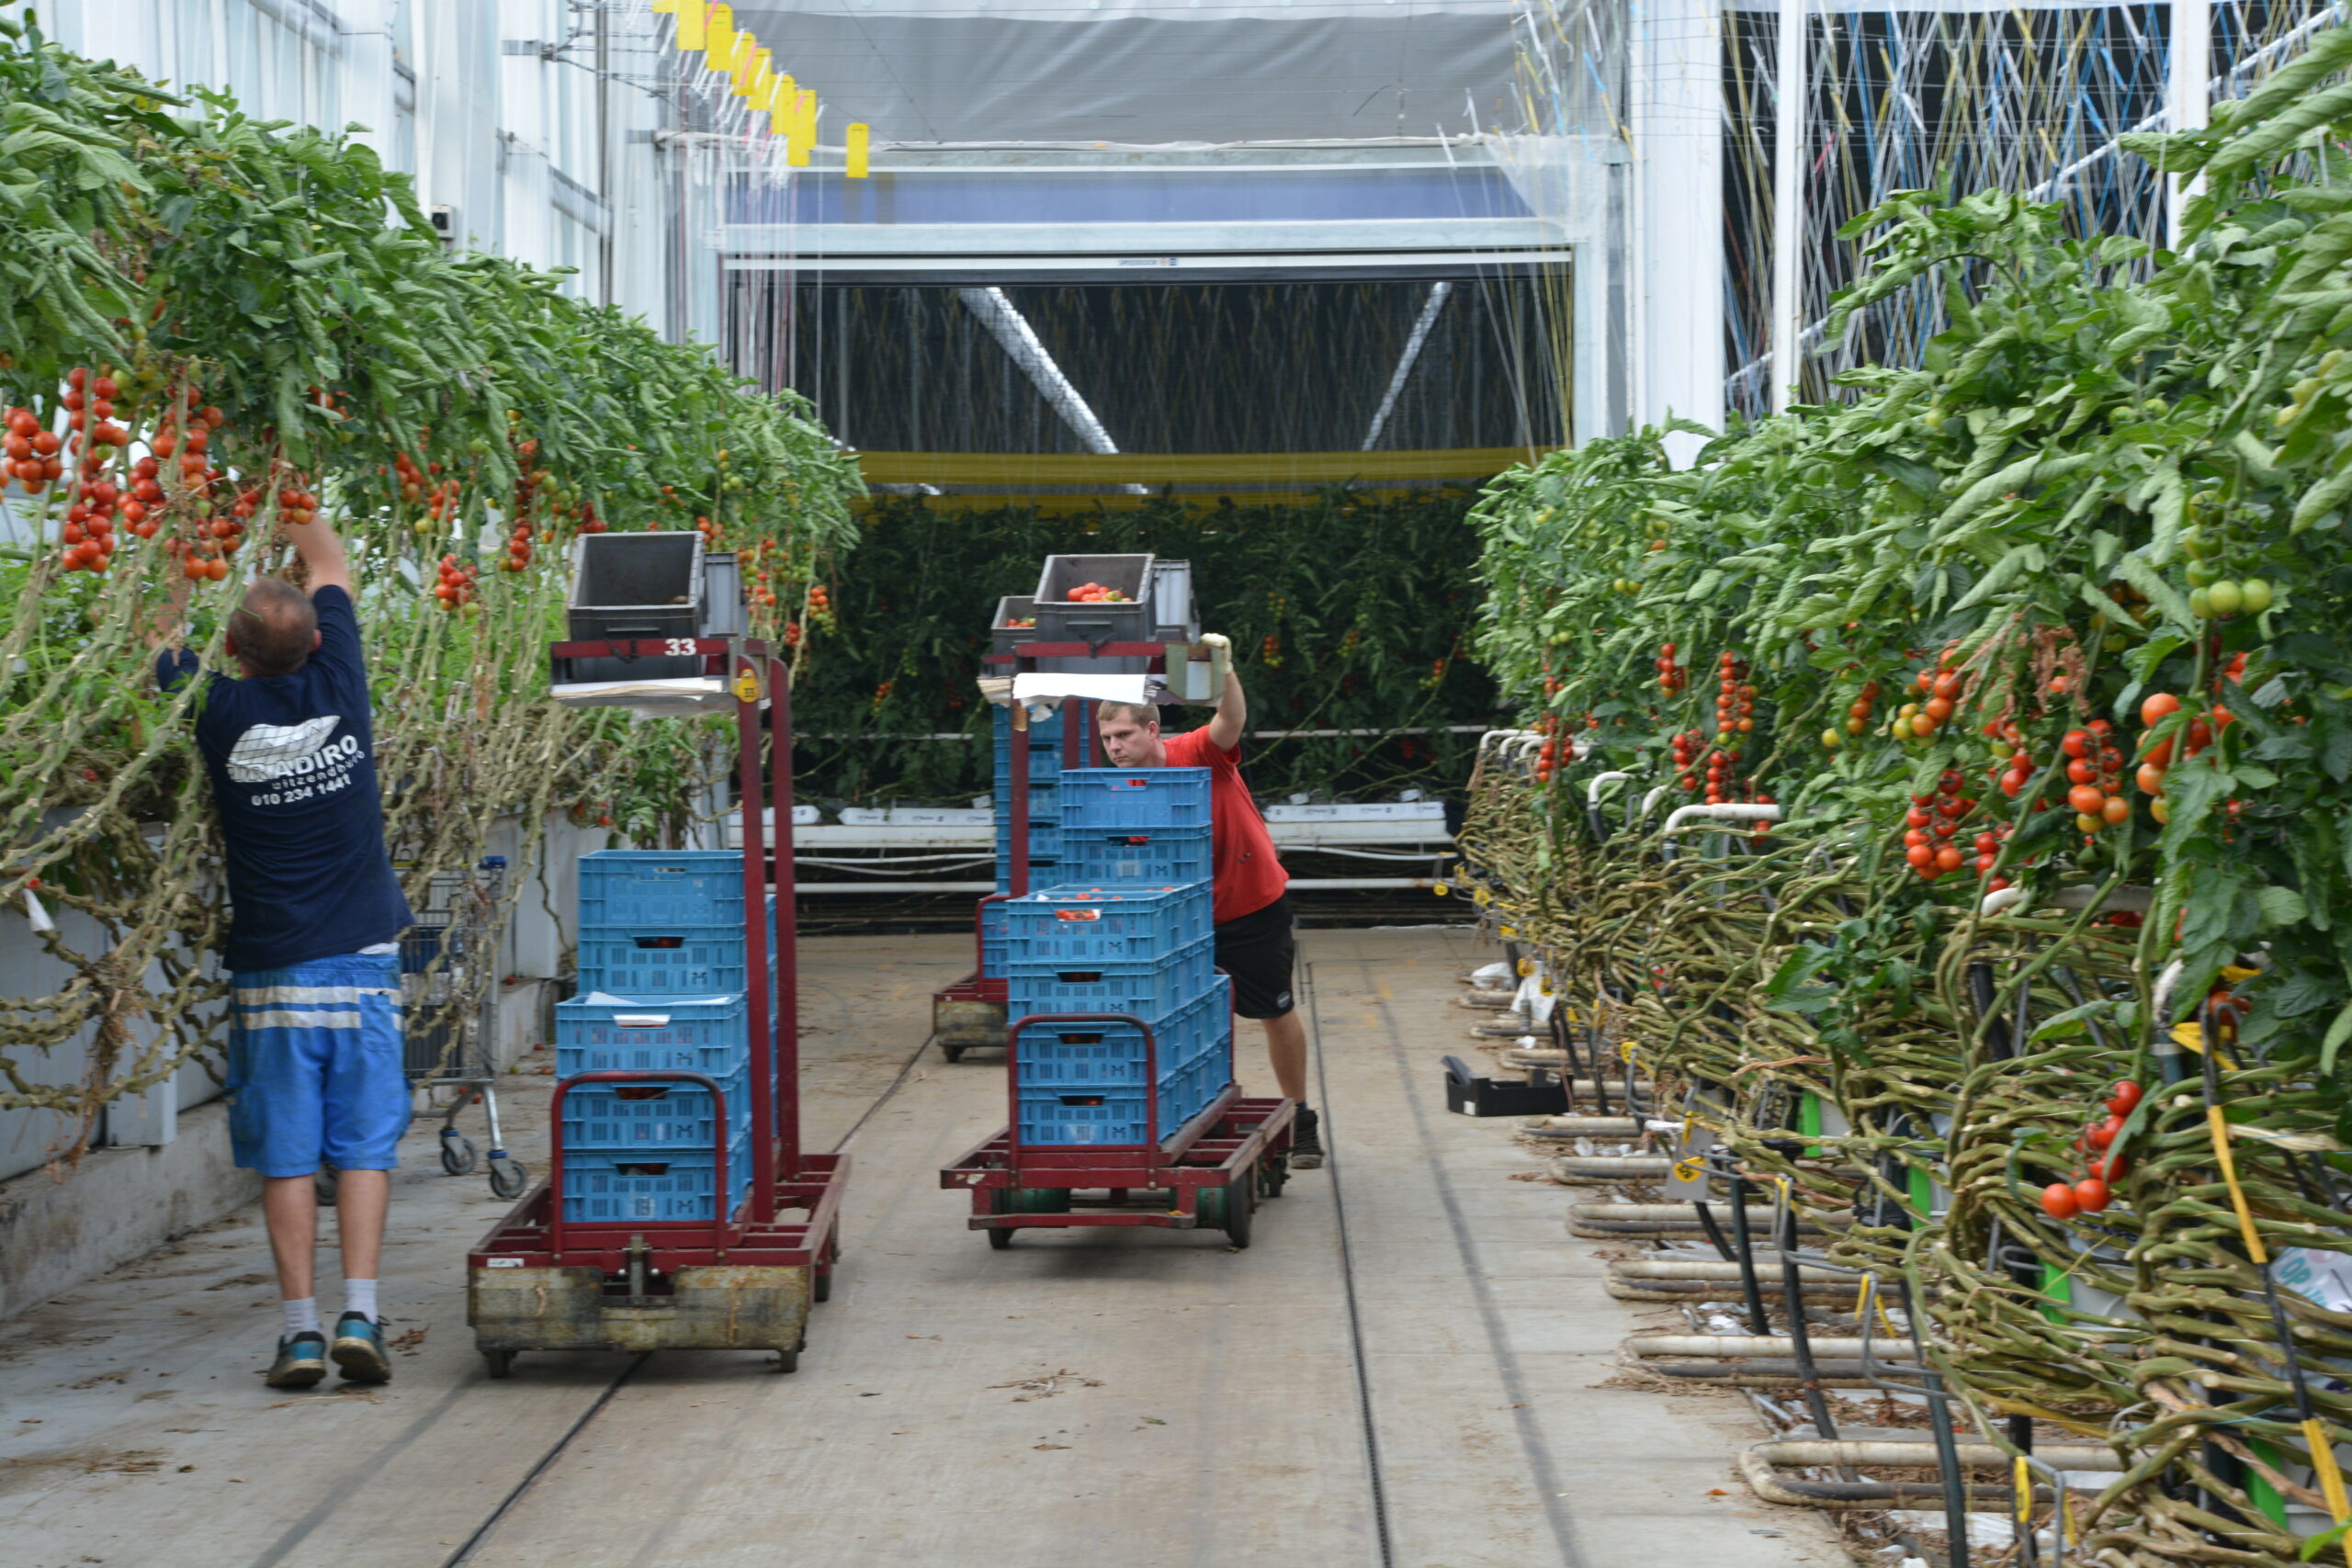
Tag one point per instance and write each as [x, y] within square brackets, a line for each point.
[1209, 1173]
[739, 1280]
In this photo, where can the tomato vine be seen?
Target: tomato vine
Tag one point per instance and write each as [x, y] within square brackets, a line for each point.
[216, 330]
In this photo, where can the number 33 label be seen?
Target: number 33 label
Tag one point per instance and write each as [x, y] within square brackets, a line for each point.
[681, 645]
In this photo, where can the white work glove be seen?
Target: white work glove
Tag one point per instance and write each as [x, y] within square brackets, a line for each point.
[1217, 642]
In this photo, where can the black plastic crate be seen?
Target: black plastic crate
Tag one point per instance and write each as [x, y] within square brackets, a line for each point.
[1003, 635]
[627, 587]
[1059, 620]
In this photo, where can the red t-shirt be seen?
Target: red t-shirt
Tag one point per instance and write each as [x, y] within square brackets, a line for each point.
[1249, 876]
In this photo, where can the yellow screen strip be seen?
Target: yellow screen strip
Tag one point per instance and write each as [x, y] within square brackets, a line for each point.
[1185, 468]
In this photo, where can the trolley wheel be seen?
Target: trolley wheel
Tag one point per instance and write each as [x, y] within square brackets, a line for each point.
[822, 1289]
[1273, 1175]
[1001, 1237]
[323, 1184]
[508, 1177]
[458, 1156]
[953, 1053]
[498, 1363]
[789, 1361]
[1229, 1208]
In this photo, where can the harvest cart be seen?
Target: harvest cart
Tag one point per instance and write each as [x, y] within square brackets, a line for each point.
[1210, 1171]
[741, 1280]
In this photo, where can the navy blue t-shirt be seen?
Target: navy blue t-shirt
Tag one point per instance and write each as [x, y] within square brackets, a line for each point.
[293, 766]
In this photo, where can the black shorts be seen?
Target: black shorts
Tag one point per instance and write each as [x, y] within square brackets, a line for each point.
[1259, 953]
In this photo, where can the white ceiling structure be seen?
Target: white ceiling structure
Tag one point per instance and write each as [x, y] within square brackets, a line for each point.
[1148, 72]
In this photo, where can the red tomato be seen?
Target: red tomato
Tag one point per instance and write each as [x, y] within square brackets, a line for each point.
[2157, 705]
[2124, 1097]
[2058, 1200]
[2086, 800]
[2077, 743]
[2105, 1131]
[2090, 1195]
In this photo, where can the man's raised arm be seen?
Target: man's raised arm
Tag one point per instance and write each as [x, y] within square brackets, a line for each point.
[324, 562]
[1232, 709]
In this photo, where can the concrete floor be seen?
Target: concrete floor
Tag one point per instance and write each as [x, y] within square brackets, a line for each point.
[1088, 1398]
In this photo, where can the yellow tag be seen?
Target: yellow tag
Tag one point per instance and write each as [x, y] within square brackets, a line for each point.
[746, 687]
[1510, 933]
[1689, 1169]
[1625, 1049]
[1441, 889]
[2192, 1035]
[2025, 1491]
[1526, 967]
[1481, 897]
[2235, 973]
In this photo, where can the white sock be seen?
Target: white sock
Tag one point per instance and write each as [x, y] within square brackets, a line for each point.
[359, 1296]
[302, 1316]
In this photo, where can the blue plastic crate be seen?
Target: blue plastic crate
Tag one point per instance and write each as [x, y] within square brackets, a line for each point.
[1111, 1055]
[1150, 989]
[702, 1034]
[992, 938]
[1044, 843]
[1091, 856]
[648, 889]
[1078, 1115]
[1041, 731]
[1117, 921]
[1045, 801]
[684, 961]
[1044, 743]
[616, 1187]
[1192, 1090]
[662, 1114]
[1135, 798]
[1043, 870]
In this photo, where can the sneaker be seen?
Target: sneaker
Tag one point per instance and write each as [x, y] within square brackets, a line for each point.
[359, 1350]
[301, 1362]
[1306, 1141]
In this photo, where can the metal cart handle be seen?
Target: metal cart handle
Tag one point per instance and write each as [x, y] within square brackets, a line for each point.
[1013, 1064]
[721, 1212]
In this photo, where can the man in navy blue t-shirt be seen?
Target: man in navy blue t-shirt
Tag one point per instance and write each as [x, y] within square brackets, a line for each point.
[315, 1072]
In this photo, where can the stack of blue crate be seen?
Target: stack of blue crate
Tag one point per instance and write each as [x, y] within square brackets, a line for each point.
[1045, 824]
[1127, 930]
[664, 978]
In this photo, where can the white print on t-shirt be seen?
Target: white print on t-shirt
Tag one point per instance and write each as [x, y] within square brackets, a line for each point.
[295, 758]
[266, 751]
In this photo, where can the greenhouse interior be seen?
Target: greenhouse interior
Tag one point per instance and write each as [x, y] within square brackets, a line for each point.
[912, 661]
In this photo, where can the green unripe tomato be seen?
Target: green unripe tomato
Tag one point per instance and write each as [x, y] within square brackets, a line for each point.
[2254, 596]
[1832, 739]
[2203, 573]
[2193, 543]
[2199, 603]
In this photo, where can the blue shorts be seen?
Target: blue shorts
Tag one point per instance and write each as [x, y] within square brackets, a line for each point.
[315, 1072]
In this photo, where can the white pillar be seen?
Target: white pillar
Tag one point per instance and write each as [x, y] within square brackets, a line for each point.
[1789, 149]
[2192, 50]
[367, 79]
[1677, 219]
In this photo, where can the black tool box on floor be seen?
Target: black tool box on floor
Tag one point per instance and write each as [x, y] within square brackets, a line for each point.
[1540, 1095]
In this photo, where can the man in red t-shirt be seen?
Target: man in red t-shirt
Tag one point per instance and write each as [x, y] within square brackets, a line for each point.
[1251, 901]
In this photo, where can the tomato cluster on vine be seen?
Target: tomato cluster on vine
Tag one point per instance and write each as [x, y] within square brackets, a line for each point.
[2094, 1188]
